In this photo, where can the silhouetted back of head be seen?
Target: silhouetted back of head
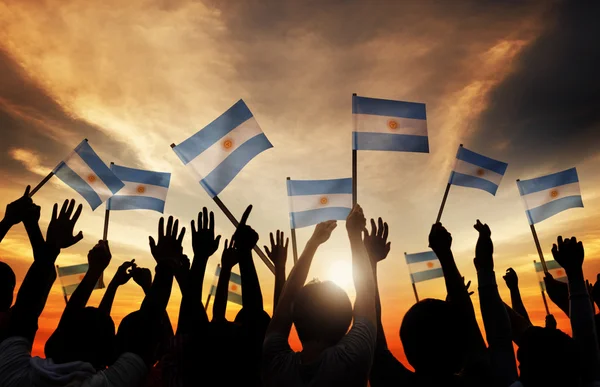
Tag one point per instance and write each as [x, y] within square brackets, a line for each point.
[8, 282]
[322, 312]
[87, 335]
[433, 338]
[138, 335]
[548, 357]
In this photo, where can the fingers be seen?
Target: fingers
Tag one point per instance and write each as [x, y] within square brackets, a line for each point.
[385, 231]
[161, 228]
[246, 215]
[217, 240]
[63, 209]
[193, 225]
[54, 212]
[70, 208]
[559, 240]
[226, 241]
[373, 227]
[152, 244]
[554, 250]
[380, 227]
[27, 189]
[77, 214]
[272, 240]
[205, 218]
[200, 218]
[287, 241]
[181, 235]
[211, 223]
[77, 238]
[169, 229]
[268, 251]
[175, 229]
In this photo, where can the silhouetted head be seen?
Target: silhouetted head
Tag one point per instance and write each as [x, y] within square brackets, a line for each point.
[548, 357]
[8, 282]
[86, 335]
[322, 312]
[138, 335]
[433, 338]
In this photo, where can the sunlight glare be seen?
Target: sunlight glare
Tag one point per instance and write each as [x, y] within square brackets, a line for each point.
[340, 272]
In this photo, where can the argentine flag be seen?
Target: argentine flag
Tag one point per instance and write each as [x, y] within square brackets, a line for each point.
[218, 152]
[548, 195]
[235, 286]
[71, 276]
[558, 273]
[143, 190]
[423, 266]
[315, 201]
[87, 174]
[385, 125]
[477, 171]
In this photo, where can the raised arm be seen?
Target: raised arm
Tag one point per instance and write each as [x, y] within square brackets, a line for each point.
[558, 292]
[512, 282]
[15, 213]
[278, 255]
[245, 239]
[228, 260]
[281, 323]
[122, 276]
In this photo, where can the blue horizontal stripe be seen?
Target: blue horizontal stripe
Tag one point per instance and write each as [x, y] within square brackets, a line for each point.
[310, 217]
[233, 277]
[389, 142]
[70, 289]
[213, 132]
[319, 187]
[549, 264]
[387, 107]
[482, 161]
[213, 290]
[549, 181]
[124, 203]
[426, 275]
[74, 181]
[457, 178]
[71, 270]
[547, 210]
[161, 179]
[235, 298]
[222, 175]
[420, 257]
[85, 151]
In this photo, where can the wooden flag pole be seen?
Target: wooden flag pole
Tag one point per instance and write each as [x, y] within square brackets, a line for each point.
[439, 217]
[294, 245]
[107, 214]
[535, 237]
[354, 161]
[233, 220]
[413, 283]
[41, 184]
[545, 302]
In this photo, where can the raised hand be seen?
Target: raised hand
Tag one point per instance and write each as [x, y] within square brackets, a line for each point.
[440, 240]
[376, 243]
[168, 249]
[124, 272]
[323, 231]
[230, 256]
[17, 210]
[99, 257]
[550, 322]
[60, 230]
[511, 279]
[278, 252]
[245, 237]
[204, 241]
[484, 249]
[142, 277]
[569, 254]
[356, 221]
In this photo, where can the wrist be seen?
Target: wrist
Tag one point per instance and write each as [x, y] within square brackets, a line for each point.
[575, 274]
[4, 223]
[280, 270]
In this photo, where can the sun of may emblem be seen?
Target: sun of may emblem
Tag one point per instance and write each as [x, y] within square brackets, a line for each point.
[91, 178]
[480, 172]
[554, 193]
[141, 189]
[324, 200]
[233, 287]
[393, 124]
[227, 144]
[430, 265]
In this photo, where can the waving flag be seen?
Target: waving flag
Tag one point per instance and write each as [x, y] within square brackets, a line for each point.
[554, 268]
[143, 190]
[423, 266]
[315, 201]
[218, 152]
[548, 195]
[235, 286]
[87, 174]
[71, 276]
[477, 171]
[385, 125]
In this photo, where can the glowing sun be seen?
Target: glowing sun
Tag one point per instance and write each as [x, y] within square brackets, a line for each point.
[340, 272]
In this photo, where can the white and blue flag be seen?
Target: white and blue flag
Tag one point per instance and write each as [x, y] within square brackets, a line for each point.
[143, 190]
[87, 174]
[218, 152]
[477, 171]
[386, 125]
[548, 195]
[315, 201]
[234, 290]
[423, 266]
[71, 276]
[557, 271]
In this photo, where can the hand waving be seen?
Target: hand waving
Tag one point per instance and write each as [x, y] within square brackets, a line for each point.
[569, 254]
[279, 250]
[511, 278]
[323, 231]
[376, 243]
[16, 211]
[99, 257]
[440, 240]
[168, 249]
[484, 249]
[355, 223]
[204, 241]
[60, 230]
[245, 237]
[124, 272]
[230, 256]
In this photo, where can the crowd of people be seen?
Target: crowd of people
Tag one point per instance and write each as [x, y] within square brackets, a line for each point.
[342, 344]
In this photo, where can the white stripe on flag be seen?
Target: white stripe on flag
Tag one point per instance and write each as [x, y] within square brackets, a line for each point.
[467, 168]
[208, 160]
[371, 123]
[424, 266]
[71, 279]
[314, 202]
[539, 198]
[140, 189]
[80, 167]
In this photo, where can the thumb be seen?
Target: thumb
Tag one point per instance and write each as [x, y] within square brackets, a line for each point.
[152, 244]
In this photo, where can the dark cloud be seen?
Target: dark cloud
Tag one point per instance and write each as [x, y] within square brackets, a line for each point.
[549, 106]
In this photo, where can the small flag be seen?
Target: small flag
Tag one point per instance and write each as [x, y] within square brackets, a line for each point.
[315, 201]
[87, 174]
[235, 286]
[385, 125]
[554, 268]
[548, 195]
[218, 152]
[143, 190]
[477, 171]
[423, 266]
[71, 276]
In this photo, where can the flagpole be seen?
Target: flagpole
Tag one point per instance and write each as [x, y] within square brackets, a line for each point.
[63, 288]
[207, 301]
[293, 232]
[439, 217]
[107, 214]
[233, 220]
[545, 302]
[41, 184]
[414, 287]
[534, 233]
[354, 157]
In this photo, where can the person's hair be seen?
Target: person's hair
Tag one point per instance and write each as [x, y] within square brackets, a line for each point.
[321, 312]
[86, 335]
[139, 335]
[433, 338]
[8, 281]
[548, 357]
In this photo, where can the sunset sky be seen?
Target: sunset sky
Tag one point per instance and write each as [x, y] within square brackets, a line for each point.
[514, 80]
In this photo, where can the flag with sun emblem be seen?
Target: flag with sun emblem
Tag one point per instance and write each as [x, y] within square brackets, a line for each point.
[143, 190]
[71, 276]
[386, 125]
[315, 201]
[87, 174]
[218, 152]
[477, 171]
[548, 195]
[235, 286]
[558, 273]
[423, 266]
